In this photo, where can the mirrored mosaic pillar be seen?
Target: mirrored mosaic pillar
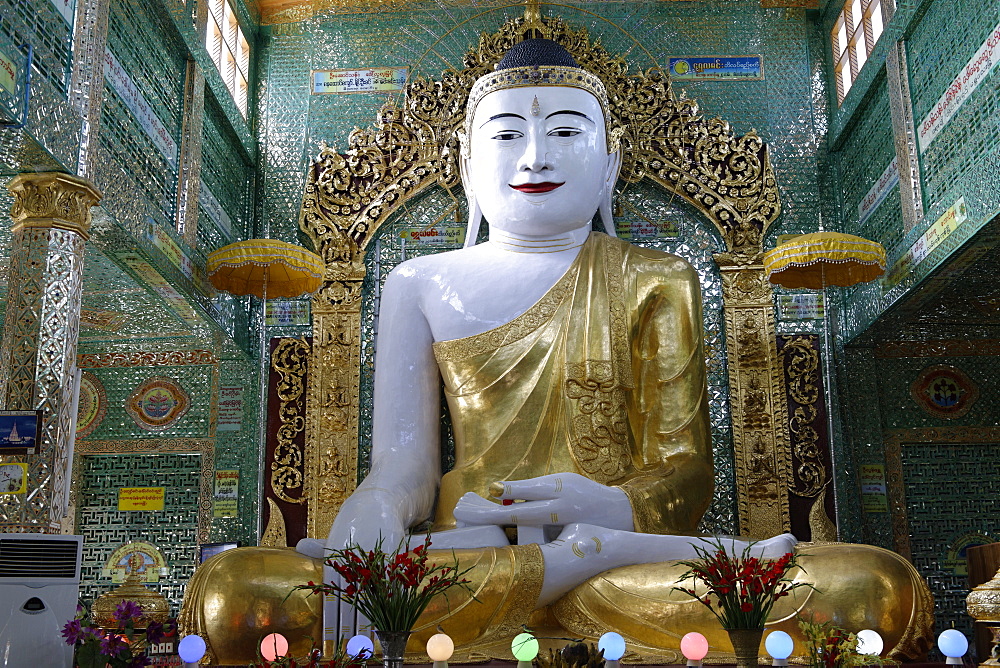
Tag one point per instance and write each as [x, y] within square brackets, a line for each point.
[51, 220]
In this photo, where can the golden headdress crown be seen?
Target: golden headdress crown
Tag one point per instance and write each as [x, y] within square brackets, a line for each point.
[539, 62]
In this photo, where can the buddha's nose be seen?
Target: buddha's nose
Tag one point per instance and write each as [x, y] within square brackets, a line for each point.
[535, 156]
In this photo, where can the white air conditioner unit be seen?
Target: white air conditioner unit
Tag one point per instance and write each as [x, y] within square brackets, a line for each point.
[39, 588]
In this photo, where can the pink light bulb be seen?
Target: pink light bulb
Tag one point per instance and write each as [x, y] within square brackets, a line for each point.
[273, 646]
[694, 646]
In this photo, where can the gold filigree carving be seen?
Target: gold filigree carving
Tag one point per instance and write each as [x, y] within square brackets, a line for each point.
[599, 424]
[332, 412]
[275, 534]
[821, 528]
[52, 199]
[802, 364]
[163, 358]
[289, 359]
[414, 146]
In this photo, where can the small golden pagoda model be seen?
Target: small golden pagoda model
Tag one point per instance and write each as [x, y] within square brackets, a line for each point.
[154, 607]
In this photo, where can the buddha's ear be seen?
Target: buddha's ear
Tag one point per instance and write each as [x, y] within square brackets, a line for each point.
[475, 213]
[610, 178]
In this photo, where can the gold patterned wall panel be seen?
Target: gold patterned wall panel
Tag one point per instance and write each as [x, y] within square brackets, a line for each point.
[413, 146]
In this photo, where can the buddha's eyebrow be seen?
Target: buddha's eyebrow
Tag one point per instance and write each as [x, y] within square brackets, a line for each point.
[493, 118]
[570, 111]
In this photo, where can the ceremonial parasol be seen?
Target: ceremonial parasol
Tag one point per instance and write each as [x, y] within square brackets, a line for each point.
[816, 261]
[261, 266]
[822, 258]
[256, 267]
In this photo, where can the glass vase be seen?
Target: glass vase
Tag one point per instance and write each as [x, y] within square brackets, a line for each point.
[394, 647]
[746, 646]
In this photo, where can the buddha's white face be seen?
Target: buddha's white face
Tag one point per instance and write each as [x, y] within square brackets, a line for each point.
[538, 168]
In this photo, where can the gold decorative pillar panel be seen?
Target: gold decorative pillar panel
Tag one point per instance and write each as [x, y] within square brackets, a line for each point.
[51, 215]
[333, 402]
[757, 401]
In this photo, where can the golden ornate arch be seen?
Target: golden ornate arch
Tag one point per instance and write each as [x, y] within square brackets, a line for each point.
[413, 147]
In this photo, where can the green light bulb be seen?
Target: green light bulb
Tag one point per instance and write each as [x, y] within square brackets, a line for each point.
[524, 647]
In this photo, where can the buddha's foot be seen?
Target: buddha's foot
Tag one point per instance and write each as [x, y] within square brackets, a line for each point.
[584, 550]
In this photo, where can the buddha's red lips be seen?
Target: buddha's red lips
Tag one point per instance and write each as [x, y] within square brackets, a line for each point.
[533, 188]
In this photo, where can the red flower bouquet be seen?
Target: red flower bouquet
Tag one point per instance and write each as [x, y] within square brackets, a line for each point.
[745, 587]
[390, 589]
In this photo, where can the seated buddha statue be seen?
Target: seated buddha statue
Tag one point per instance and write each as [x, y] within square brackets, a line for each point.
[574, 373]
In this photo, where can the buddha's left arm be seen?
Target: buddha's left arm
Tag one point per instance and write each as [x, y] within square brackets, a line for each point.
[668, 409]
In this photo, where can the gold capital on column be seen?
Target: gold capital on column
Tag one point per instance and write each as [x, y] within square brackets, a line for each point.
[53, 200]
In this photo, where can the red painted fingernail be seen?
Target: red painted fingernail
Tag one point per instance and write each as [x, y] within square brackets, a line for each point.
[508, 502]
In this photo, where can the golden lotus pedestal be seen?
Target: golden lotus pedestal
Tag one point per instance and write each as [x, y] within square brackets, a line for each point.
[237, 597]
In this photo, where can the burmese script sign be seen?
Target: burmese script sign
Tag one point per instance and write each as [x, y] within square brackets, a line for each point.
[873, 494]
[962, 86]
[805, 306]
[8, 74]
[942, 228]
[230, 408]
[227, 492]
[716, 68]
[878, 192]
[140, 498]
[434, 235]
[374, 80]
[136, 102]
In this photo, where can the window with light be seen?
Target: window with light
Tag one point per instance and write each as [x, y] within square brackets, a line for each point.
[229, 50]
[853, 37]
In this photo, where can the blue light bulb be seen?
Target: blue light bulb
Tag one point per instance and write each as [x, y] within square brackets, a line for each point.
[953, 644]
[778, 644]
[191, 649]
[360, 647]
[613, 645]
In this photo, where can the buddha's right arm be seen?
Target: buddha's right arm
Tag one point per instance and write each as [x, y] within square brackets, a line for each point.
[400, 489]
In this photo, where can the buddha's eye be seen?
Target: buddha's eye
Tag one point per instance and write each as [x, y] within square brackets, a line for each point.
[564, 132]
[507, 135]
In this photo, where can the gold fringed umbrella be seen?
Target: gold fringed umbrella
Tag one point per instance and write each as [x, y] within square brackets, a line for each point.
[820, 259]
[816, 261]
[265, 268]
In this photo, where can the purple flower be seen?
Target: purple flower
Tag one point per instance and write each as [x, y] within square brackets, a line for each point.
[127, 611]
[113, 645]
[154, 632]
[73, 632]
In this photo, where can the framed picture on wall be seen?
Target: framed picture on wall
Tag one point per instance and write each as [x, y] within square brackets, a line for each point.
[20, 432]
[207, 550]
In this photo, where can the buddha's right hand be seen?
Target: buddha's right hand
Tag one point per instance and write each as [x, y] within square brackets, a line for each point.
[368, 517]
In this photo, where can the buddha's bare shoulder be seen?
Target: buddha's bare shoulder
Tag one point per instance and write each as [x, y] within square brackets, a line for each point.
[435, 267]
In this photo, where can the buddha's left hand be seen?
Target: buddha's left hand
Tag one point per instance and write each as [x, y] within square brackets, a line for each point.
[558, 498]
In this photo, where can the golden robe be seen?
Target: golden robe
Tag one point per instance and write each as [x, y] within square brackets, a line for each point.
[604, 376]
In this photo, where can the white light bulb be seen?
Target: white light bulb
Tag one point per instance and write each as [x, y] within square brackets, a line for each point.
[869, 642]
[440, 647]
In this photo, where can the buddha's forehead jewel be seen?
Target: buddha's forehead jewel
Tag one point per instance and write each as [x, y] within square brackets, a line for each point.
[534, 63]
